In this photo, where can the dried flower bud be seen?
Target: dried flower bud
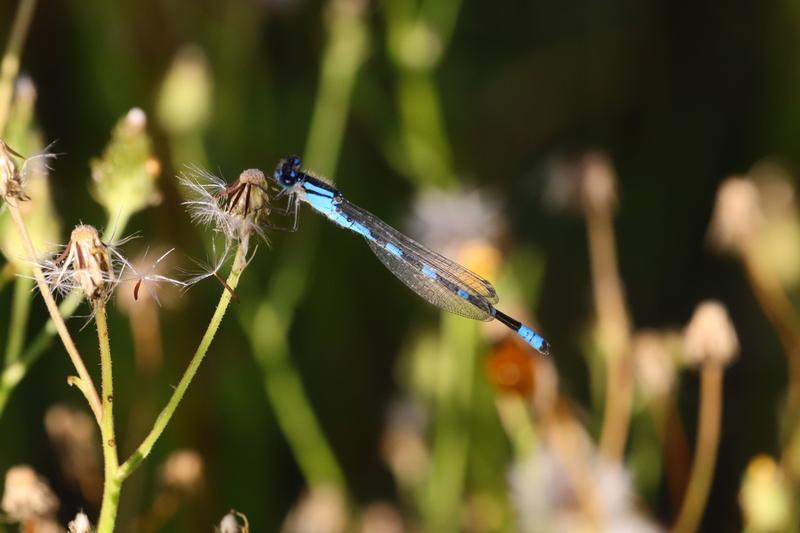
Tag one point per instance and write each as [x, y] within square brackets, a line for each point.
[765, 496]
[710, 337]
[85, 264]
[655, 363]
[234, 522]
[184, 102]
[417, 46]
[381, 517]
[237, 210]
[321, 509]
[403, 447]
[27, 495]
[11, 184]
[737, 215]
[124, 178]
[183, 471]
[80, 524]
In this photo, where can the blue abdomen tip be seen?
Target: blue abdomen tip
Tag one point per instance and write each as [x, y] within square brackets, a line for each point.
[534, 339]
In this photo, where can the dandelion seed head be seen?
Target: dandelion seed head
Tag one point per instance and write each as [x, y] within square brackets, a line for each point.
[27, 495]
[710, 336]
[237, 210]
[11, 179]
[80, 524]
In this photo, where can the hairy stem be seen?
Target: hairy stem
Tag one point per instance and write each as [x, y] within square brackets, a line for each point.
[93, 398]
[705, 455]
[111, 486]
[163, 419]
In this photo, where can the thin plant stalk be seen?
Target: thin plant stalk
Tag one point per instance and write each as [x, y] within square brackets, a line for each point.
[14, 373]
[111, 489]
[20, 311]
[163, 419]
[705, 456]
[9, 65]
[87, 385]
[614, 326]
[780, 311]
[8, 271]
[342, 58]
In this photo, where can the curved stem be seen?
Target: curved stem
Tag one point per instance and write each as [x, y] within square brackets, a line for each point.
[111, 489]
[705, 455]
[93, 398]
[163, 419]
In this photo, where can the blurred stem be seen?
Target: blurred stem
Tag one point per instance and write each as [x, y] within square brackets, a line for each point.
[88, 385]
[455, 378]
[781, 313]
[187, 147]
[417, 40]
[20, 312]
[292, 408]
[614, 327]
[7, 272]
[9, 66]
[518, 424]
[705, 456]
[111, 487]
[342, 58]
[163, 419]
[13, 374]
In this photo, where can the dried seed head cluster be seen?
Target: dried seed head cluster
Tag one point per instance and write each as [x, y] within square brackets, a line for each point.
[237, 210]
[183, 471]
[738, 215]
[233, 522]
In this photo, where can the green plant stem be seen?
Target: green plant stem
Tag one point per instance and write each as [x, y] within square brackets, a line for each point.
[292, 408]
[454, 397]
[163, 419]
[7, 272]
[72, 350]
[20, 312]
[9, 65]
[14, 373]
[111, 489]
[705, 456]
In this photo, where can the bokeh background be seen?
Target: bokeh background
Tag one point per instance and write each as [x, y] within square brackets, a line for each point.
[332, 390]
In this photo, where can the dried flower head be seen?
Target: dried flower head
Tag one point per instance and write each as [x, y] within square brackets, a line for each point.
[765, 496]
[710, 337]
[654, 362]
[583, 183]
[80, 524]
[737, 217]
[403, 446]
[381, 517]
[237, 210]
[86, 264]
[11, 185]
[321, 509]
[124, 178]
[183, 471]
[27, 495]
[233, 522]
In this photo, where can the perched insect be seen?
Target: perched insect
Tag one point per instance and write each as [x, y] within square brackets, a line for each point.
[435, 278]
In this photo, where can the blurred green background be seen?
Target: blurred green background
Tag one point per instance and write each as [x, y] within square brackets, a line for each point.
[679, 95]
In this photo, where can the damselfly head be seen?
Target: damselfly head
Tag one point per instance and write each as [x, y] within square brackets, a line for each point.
[288, 171]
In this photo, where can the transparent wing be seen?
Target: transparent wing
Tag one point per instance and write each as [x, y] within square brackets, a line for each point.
[429, 289]
[449, 270]
[451, 277]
